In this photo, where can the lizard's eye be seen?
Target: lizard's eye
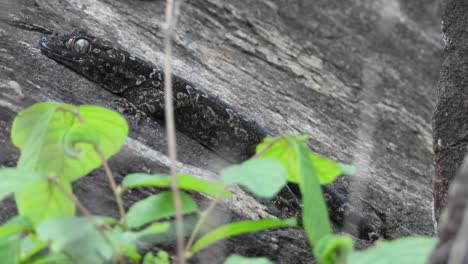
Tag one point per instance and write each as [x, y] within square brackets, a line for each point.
[81, 46]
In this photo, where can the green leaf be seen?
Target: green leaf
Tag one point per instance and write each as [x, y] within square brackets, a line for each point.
[124, 244]
[238, 259]
[11, 243]
[327, 170]
[161, 258]
[31, 246]
[50, 258]
[39, 133]
[15, 179]
[239, 228]
[105, 220]
[157, 207]
[76, 236]
[82, 133]
[17, 224]
[44, 200]
[263, 177]
[148, 240]
[154, 228]
[314, 214]
[333, 249]
[282, 150]
[111, 127]
[294, 155]
[151, 230]
[186, 182]
[10, 248]
[408, 250]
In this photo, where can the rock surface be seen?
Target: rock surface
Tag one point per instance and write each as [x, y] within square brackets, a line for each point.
[453, 227]
[451, 114]
[450, 139]
[357, 76]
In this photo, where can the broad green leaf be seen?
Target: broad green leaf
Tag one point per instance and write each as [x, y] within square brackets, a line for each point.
[294, 155]
[327, 170]
[31, 246]
[124, 243]
[154, 228]
[111, 127]
[186, 182]
[169, 236]
[40, 130]
[106, 220]
[239, 228]
[161, 258]
[157, 207]
[333, 249]
[408, 250]
[314, 213]
[44, 200]
[50, 258]
[127, 241]
[10, 248]
[238, 259]
[283, 151]
[11, 239]
[77, 134]
[17, 224]
[263, 177]
[15, 179]
[78, 237]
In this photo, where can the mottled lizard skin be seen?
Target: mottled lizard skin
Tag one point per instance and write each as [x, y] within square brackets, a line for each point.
[198, 114]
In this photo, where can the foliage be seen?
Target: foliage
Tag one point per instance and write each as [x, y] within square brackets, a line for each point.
[238, 259]
[408, 250]
[61, 143]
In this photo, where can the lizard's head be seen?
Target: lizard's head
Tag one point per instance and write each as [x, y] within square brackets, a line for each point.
[100, 61]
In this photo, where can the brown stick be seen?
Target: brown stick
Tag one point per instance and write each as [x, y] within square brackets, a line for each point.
[171, 15]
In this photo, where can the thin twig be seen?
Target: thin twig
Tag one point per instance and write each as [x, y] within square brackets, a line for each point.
[113, 185]
[86, 213]
[72, 197]
[171, 16]
[202, 220]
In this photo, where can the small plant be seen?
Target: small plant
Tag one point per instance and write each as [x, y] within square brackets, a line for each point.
[61, 143]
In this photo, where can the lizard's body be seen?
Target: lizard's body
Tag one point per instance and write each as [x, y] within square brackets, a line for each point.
[200, 115]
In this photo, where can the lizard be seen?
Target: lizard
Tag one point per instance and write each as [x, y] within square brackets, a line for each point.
[199, 114]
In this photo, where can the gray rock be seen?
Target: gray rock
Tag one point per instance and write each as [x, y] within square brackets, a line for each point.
[451, 114]
[450, 138]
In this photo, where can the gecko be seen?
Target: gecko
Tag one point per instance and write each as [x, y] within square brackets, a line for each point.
[202, 116]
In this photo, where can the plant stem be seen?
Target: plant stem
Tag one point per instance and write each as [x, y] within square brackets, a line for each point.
[113, 185]
[202, 220]
[171, 15]
[83, 210]
[71, 196]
